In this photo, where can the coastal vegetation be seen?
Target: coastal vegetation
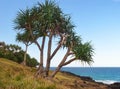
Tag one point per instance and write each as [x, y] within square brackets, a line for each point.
[43, 22]
[15, 53]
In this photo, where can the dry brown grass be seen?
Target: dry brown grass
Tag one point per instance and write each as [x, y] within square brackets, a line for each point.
[16, 76]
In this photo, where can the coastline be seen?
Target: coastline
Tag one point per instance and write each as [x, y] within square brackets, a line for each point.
[107, 75]
[114, 85]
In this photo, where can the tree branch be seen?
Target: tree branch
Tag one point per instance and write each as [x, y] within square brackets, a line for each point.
[48, 55]
[55, 51]
[68, 62]
[61, 63]
[35, 41]
[43, 43]
[38, 45]
[42, 50]
[70, 53]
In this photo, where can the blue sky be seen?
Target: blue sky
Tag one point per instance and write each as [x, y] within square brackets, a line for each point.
[97, 21]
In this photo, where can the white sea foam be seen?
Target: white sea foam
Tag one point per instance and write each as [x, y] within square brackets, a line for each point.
[106, 81]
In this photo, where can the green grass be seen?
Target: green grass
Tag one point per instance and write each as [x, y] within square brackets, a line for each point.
[16, 76]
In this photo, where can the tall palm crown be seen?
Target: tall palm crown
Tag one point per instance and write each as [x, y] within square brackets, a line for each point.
[23, 19]
[45, 18]
[28, 21]
[52, 19]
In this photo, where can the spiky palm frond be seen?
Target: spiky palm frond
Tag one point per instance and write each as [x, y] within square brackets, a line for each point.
[72, 40]
[24, 37]
[84, 52]
[22, 19]
[51, 17]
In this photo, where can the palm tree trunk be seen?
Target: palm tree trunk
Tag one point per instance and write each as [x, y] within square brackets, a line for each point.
[42, 50]
[40, 71]
[61, 63]
[24, 62]
[48, 56]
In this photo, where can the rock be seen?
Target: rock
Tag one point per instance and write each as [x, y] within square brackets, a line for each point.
[115, 85]
[85, 78]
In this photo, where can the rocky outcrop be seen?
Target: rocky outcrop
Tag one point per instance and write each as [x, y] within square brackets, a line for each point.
[85, 78]
[84, 82]
[95, 85]
[114, 85]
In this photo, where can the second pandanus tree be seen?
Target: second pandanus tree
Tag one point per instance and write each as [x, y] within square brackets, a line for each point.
[27, 40]
[70, 41]
[82, 52]
[27, 20]
[76, 50]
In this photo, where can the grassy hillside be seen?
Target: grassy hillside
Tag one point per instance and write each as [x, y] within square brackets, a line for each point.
[16, 76]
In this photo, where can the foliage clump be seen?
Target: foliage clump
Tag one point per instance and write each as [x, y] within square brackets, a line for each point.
[15, 53]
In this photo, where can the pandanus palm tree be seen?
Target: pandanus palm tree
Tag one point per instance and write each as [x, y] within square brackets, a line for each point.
[47, 20]
[27, 20]
[43, 19]
[70, 41]
[27, 40]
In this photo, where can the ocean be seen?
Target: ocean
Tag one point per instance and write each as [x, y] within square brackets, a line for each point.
[107, 75]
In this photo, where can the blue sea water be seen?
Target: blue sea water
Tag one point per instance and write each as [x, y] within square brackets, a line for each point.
[107, 75]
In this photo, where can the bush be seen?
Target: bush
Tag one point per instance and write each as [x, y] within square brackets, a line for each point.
[10, 52]
[32, 62]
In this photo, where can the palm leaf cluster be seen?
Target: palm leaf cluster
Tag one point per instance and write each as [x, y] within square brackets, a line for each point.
[84, 52]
